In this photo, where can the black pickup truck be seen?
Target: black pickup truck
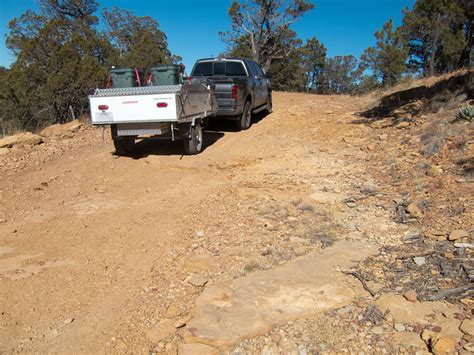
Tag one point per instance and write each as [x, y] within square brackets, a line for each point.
[241, 87]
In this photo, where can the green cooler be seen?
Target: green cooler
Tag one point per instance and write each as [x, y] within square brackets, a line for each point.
[166, 75]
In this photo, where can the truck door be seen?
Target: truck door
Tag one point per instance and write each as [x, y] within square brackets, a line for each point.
[262, 85]
[258, 80]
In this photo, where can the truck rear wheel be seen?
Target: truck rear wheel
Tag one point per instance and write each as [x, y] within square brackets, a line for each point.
[193, 140]
[269, 108]
[245, 120]
[124, 145]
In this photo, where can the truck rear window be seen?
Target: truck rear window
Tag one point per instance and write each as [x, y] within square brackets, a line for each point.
[203, 69]
[219, 69]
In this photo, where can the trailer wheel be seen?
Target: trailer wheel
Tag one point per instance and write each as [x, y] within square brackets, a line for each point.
[124, 145]
[245, 120]
[193, 141]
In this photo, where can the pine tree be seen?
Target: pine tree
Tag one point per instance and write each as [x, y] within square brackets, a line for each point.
[313, 55]
[341, 75]
[387, 60]
[435, 32]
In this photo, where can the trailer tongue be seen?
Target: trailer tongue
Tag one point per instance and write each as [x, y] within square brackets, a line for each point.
[168, 112]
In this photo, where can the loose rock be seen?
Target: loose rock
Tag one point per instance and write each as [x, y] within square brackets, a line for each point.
[61, 130]
[412, 235]
[160, 331]
[445, 345]
[197, 280]
[410, 296]
[399, 327]
[25, 138]
[403, 124]
[414, 210]
[467, 327]
[469, 347]
[458, 234]
[377, 330]
[181, 322]
[419, 260]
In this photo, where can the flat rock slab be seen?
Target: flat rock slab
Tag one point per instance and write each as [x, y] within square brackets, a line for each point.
[252, 305]
[160, 331]
[197, 349]
[200, 263]
[425, 313]
[25, 138]
[326, 198]
[59, 130]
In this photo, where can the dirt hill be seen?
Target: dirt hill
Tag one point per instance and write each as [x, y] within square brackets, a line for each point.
[334, 224]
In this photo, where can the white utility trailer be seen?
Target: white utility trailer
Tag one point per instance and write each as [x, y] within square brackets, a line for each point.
[169, 112]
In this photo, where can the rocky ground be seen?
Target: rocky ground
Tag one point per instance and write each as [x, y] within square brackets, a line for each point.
[323, 228]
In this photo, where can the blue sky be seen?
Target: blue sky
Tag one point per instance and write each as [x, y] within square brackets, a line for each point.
[192, 26]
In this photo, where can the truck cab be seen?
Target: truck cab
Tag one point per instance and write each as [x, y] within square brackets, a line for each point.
[241, 87]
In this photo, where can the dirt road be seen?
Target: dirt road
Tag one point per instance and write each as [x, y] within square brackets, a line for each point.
[97, 251]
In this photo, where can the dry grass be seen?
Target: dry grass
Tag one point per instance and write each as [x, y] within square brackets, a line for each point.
[251, 266]
[432, 137]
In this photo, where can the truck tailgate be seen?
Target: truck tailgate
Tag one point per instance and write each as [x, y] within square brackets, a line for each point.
[133, 108]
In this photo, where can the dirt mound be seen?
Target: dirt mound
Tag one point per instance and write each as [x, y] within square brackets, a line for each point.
[427, 153]
[447, 92]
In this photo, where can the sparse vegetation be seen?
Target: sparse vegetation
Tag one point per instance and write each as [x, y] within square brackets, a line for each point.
[465, 114]
[305, 207]
[432, 138]
[251, 266]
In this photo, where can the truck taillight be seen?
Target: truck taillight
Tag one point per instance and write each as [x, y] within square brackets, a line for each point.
[162, 104]
[234, 92]
[103, 107]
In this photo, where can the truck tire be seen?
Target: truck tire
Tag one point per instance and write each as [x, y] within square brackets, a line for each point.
[193, 141]
[245, 119]
[124, 145]
[269, 108]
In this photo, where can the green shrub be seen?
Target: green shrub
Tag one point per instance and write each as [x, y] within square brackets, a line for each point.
[465, 114]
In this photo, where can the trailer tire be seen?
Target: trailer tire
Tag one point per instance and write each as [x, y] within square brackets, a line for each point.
[124, 145]
[245, 119]
[193, 141]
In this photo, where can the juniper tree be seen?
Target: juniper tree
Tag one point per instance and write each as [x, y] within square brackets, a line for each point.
[139, 40]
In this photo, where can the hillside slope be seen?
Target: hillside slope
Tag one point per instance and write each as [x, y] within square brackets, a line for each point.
[308, 232]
